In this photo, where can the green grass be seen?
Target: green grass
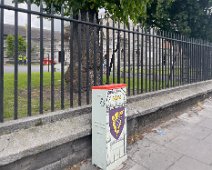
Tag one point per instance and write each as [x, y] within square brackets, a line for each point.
[135, 84]
[22, 92]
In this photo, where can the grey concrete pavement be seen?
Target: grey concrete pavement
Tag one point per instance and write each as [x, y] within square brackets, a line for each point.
[182, 143]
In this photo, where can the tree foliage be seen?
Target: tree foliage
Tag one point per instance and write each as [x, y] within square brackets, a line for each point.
[189, 17]
[10, 45]
[117, 9]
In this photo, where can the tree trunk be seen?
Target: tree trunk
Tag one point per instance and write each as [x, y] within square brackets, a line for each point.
[87, 71]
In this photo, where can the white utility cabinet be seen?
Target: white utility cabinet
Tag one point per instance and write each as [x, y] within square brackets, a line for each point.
[109, 126]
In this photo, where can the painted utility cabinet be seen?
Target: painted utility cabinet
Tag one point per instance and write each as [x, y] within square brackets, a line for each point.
[109, 126]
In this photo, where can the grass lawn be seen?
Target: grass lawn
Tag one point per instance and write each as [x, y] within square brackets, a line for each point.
[22, 92]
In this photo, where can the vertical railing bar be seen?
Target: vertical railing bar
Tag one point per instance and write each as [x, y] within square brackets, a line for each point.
[95, 57]
[142, 60]
[62, 59]
[146, 65]
[138, 60]
[175, 60]
[166, 59]
[129, 60]
[178, 59]
[119, 62]
[170, 61]
[160, 85]
[52, 59]
[190, 58]
[163, 79]
[88, 60]
[209, 50]
[207, 60]
[204, 60]
[29, 110]
[156, 51]
[79, 39]
[197, 60]
[113, 55]
[2, 62]
[206, 70]
[16, 65]
[133, 60]
[153, 60]
[210, 53]
[41, 58]
[181, 60]
[201, 60]
[107, 55]
[195, 48]
[184, 55]
[187, 68]
[101, 55]
[124, 54]
[150, 61]
[71, 66]
[210, 59]
[193, 61]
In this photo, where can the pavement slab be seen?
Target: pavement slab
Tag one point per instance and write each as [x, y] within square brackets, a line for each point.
[182, 143]
[187, 163]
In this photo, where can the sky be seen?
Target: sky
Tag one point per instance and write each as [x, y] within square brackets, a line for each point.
[22, 17]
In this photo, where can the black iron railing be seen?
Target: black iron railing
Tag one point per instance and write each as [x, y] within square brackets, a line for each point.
[91, 53]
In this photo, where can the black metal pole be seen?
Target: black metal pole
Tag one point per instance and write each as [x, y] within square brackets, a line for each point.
[2, 63]
[16, 65]
[29, 59]
[41, 59]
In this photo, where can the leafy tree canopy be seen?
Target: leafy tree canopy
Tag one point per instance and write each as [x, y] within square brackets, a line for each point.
[118, 9]
[190, 17]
